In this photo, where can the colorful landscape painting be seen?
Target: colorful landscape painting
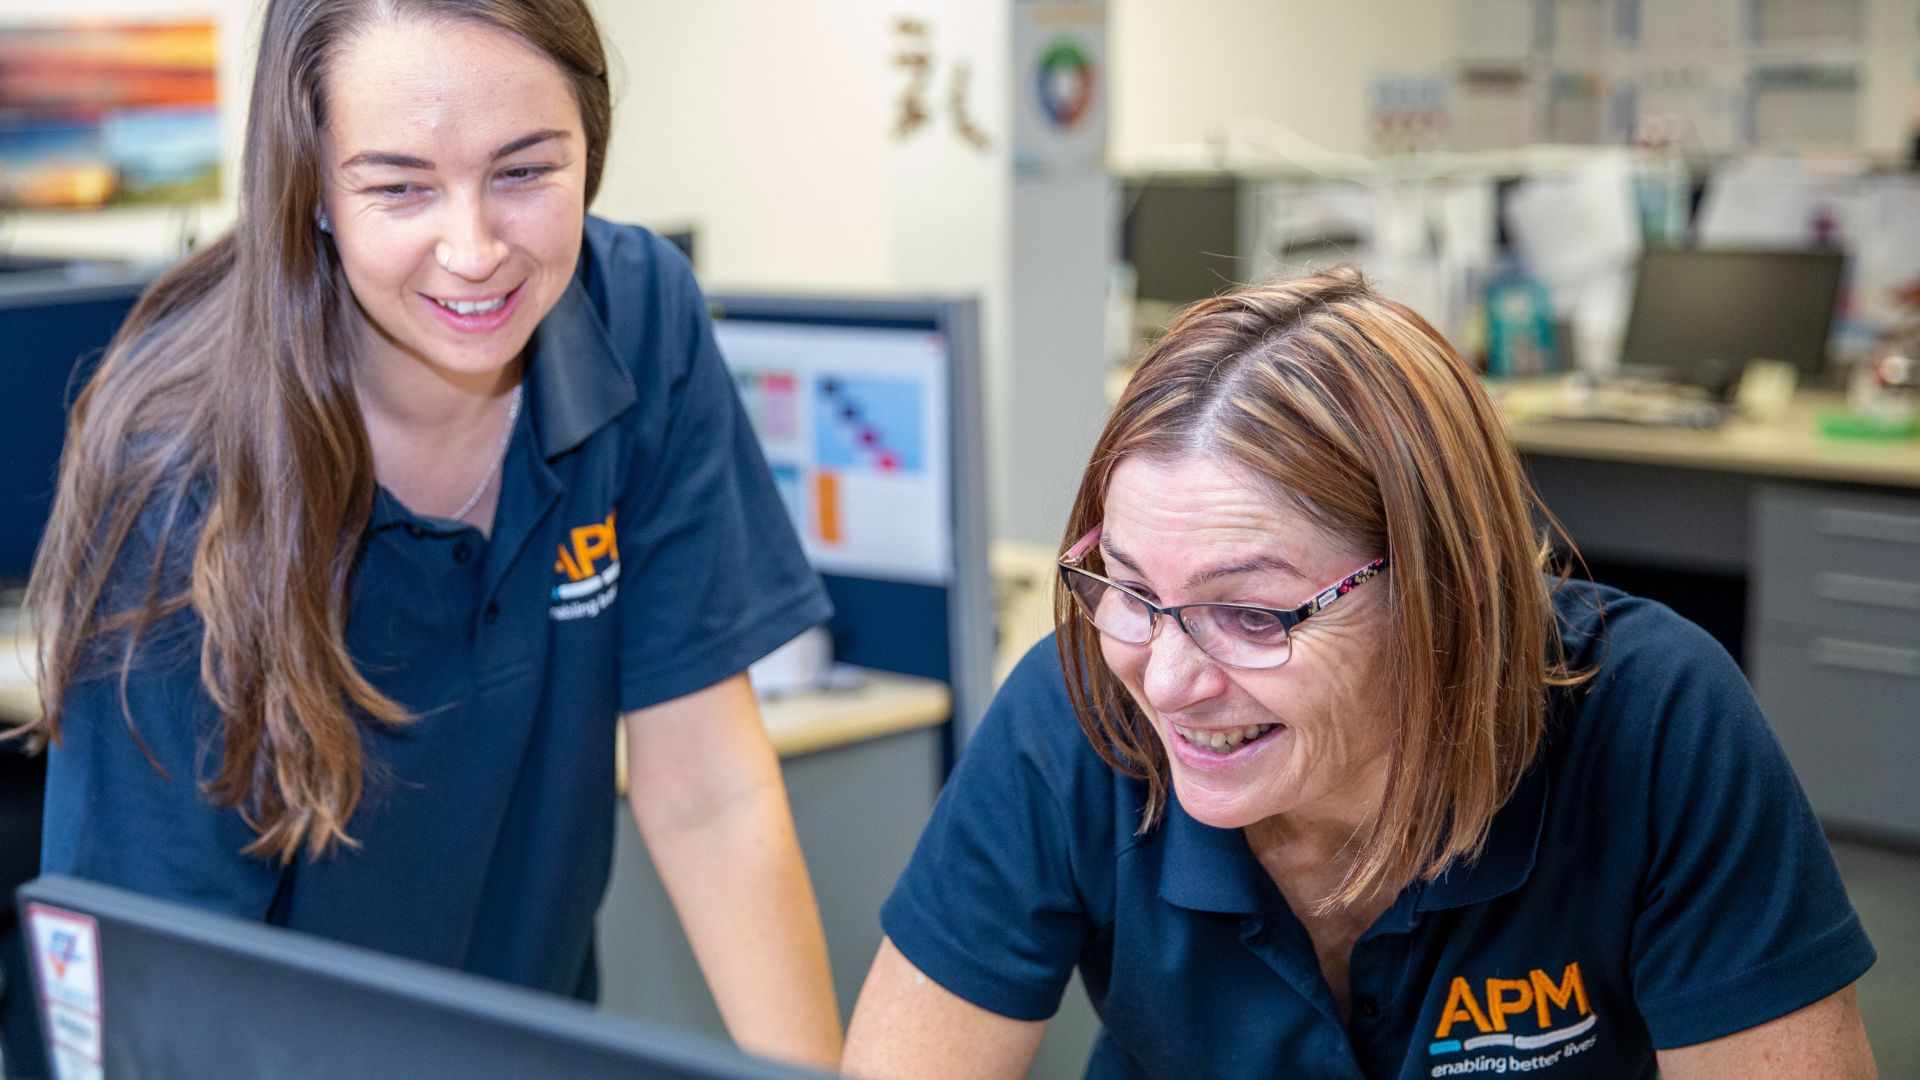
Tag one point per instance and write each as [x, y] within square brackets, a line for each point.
[96, 114]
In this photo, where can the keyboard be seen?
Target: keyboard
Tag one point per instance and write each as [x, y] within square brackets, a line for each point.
[1640, 404]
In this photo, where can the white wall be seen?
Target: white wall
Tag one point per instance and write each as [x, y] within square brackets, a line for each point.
[1890, 90]
[762, 124]
[1189, 72]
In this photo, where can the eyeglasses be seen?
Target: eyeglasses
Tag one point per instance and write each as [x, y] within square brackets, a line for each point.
[1237, 635]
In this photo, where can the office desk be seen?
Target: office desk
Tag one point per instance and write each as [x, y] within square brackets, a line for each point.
[1826, 534]
[1788, 448]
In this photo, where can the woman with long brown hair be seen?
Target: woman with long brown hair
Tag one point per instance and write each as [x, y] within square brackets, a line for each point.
[382, 509]
[1324, 776]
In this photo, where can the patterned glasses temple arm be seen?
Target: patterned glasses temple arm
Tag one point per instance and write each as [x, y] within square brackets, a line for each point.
[1344, 586]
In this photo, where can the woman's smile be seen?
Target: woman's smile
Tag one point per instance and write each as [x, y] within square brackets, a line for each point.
[1217, 750]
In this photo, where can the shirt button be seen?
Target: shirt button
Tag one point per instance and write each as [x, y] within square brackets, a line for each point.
[415, 531]
[493, 613]
[1368, 1008]
[462, 553]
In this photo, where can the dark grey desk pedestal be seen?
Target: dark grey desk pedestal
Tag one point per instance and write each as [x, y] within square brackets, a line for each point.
[1832, 622]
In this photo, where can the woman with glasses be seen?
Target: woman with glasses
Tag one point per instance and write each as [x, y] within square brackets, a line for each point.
[1323, 776]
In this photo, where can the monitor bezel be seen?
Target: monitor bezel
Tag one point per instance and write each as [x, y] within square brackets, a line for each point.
[491, 1001]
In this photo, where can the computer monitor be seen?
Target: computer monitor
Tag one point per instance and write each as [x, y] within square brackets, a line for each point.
[685, 238]
[1700, 316]
[131, 986]
[53, 323]
[869, 411]
[1185, 236]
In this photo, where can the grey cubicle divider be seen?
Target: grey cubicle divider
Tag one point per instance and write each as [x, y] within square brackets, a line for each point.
[53, 322]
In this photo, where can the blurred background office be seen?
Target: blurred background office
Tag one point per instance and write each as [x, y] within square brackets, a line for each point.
[1682, 237]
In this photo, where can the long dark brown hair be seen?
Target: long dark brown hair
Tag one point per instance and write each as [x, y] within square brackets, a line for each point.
[226, 403]
[1357, 412]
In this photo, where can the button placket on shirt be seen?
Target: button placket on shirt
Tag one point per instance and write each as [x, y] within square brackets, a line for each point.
[1376, 978]
[1283, 945]
[460, 548]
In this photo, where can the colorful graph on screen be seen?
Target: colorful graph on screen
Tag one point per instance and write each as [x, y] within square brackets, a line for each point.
[868, 423]
[851, 420]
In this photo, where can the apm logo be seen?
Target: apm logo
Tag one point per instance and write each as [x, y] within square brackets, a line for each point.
[1539, 998]
[588, 567]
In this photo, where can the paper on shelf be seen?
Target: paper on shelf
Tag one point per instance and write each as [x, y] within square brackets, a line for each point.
[1577, 229]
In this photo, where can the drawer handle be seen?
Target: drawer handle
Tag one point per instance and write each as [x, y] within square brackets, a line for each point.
[1860, 656]
[1870, 525]
[1852, 588]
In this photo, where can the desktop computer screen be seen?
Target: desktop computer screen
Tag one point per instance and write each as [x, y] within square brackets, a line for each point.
[869, 412]
[131, 986]
[1184, 236]
[1699, 316]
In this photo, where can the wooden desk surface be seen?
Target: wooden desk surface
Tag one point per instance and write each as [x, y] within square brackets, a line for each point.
[805, 723]
[1791, 446]
[882, 703]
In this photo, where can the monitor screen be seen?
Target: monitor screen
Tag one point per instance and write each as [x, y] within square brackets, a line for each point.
[134, 986]
[1701, 316]
[869, 412]
[853, 419]
[1183, 237]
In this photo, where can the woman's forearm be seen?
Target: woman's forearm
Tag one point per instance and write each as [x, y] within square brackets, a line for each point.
[716, 821]
[748, 909]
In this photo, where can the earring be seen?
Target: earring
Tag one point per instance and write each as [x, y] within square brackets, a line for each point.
[324, 222]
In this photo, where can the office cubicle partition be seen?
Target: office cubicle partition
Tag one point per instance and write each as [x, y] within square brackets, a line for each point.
[870, 412]
[54, 323]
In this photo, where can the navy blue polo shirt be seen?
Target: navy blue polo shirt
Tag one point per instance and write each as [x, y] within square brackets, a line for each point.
[1656, 880]
[639, 552]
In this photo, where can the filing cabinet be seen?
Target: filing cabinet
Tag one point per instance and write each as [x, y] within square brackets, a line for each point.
[1834, 647]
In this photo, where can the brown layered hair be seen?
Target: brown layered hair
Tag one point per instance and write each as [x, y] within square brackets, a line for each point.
[1355, 411]
[226, 403]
